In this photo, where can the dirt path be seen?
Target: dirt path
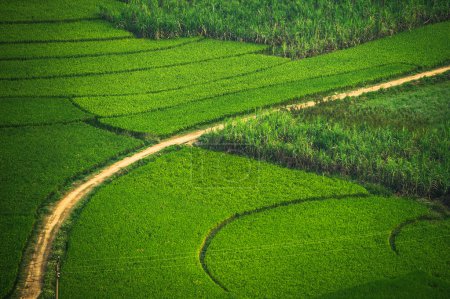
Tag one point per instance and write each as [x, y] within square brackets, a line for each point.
[52, 223]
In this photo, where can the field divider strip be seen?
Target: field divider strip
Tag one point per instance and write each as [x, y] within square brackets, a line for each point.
[94, 39]
[101, 54]
[152, 91]
[142, 69]
[31, 22]
[34, 272]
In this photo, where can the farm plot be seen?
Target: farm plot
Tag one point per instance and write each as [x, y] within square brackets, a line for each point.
[59, 32]
[291, 28]
[320, 248]
[138, 81]
[25, 112]
[399, 138]
[383, 58]
[36, 162]
[202, 50]
[162, 239]
[63, 50]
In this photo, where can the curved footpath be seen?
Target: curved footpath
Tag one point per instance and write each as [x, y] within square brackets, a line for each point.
[36, 266]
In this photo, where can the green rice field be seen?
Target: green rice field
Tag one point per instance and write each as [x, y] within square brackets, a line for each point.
[196, 223]
[78, 92]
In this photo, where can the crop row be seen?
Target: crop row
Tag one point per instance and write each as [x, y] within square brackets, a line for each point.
[80, 49]
[33, 10]
[422, 47]
[153, 80]
[23, 33]
[190, 53]
[171, 120]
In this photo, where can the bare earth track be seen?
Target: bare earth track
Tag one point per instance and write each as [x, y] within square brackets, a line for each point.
[36, 267]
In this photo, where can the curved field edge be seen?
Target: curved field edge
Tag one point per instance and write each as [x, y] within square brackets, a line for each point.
[213, 232]
[178, 166]
[314, 248]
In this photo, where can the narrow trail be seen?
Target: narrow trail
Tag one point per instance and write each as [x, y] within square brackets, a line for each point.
[35, 270]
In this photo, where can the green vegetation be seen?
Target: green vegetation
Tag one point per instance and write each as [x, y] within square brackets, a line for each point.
[203, 103]
[64, 74]
[306, 250]
[79, 49]
[294, 28]
[61, 10]
[35, 162]
[82, 30]
[22, 112]
[130, 82]
[399, 138]
[153, 240]
[198, 51]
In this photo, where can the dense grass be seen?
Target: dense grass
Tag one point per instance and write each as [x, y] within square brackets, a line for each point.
[294, 28]
[37, 10]
[86, 49]
[171, 204]
[153, 80]
[20, 112]
[426, 47]
[399, 138]
[22, 33]
[198, 51]
[35, 162]
[166, 122]
[149, 244]
[199, 104]
[319, 248]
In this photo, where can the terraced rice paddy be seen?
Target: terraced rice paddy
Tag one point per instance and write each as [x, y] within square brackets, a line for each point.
[195, 223]
[70, 81]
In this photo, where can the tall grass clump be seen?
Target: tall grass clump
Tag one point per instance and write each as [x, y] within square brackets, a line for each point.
[296, 28]
[372, 140]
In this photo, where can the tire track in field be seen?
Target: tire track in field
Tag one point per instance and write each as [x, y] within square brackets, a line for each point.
[214, 231]
[397, 230]
[48, 229]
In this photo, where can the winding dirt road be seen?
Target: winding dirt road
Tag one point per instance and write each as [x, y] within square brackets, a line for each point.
[36, 267]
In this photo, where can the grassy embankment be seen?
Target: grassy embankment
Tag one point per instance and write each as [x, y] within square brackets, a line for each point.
[398, 138]
[258, 229]
[292, 28]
